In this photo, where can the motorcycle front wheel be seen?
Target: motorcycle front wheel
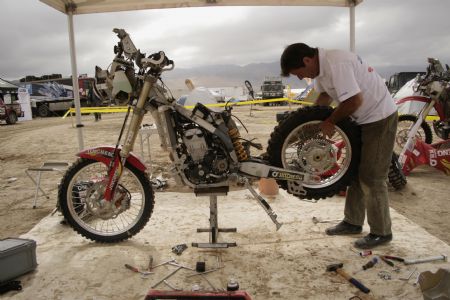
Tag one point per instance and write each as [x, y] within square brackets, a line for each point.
[80, 197]
[405, 123]
[298, 144]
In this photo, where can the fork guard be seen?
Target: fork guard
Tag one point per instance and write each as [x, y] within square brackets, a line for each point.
[105, 154]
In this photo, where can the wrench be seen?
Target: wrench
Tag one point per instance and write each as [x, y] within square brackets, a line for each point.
[171, 286]
[164, 263]
[175, 264]
[166, 277]
[209, 282]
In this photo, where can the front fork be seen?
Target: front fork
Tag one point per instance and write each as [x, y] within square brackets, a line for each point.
[118, 162]
[411, 141]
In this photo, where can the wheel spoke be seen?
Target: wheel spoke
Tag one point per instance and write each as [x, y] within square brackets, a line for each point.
[92, 213]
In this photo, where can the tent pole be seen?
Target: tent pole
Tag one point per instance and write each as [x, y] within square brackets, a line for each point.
[352, 27]
[76, 89]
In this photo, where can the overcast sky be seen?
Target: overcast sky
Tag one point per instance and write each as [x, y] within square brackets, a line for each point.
[34, 38]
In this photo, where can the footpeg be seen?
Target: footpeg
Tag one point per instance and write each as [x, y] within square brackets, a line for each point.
[273, 216]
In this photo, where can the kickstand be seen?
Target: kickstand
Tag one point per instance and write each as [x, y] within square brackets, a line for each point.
[264, 204]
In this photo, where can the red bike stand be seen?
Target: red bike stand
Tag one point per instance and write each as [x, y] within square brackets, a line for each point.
[214, 226]
[186, 295]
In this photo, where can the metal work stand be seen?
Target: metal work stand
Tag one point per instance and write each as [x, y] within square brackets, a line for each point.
[145, 133]
[214, 228]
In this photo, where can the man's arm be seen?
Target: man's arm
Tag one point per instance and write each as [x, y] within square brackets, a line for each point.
[344, 110]
[323, 100]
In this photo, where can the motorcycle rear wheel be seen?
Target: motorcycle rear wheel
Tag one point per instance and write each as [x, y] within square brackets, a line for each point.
[297, 143]
[80, 198]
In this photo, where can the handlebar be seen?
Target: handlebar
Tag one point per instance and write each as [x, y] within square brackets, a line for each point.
[435, 72]
[157, 60]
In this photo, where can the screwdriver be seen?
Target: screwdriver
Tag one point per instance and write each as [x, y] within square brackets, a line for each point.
[370, 264]
[383, 258]
[134, 269]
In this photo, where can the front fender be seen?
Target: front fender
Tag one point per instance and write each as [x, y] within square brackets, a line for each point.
[104, 154]
[414, 98]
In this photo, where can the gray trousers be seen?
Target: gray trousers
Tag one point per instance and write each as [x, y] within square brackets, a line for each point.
[368, 190]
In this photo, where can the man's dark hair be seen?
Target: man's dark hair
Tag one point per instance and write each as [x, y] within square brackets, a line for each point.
[292, 57]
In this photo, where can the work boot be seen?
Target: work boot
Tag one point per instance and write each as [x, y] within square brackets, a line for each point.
[372, 240]
[343, 228]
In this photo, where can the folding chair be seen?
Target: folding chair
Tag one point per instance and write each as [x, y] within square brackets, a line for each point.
[48, 166]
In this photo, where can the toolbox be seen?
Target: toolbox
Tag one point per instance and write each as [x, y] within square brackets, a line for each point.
[17, 257]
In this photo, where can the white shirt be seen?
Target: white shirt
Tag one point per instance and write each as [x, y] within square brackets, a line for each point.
[343, 74]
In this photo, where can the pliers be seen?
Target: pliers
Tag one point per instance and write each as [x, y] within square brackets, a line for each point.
[387, 259]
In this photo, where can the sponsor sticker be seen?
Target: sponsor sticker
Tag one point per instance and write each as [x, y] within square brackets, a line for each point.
[285, 175]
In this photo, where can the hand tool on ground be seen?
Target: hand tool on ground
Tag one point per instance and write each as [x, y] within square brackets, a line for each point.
[209, 282]
[164, 263]
[396, 258]
[175, 264]
[171, 286]
[166, 277]
[387, 261]
[209, 271]
[134, 269]
[409, 276]
[317, 220]
[370, 263]
[365, 253]
[425, 260]
[150, 263]
[338, 269]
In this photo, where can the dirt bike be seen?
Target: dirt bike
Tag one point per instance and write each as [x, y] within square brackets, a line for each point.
[434, 88]
[106, 195]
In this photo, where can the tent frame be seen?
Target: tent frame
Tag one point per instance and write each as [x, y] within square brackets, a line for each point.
[74, 7]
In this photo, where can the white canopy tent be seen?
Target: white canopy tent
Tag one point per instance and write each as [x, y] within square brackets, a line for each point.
[77, 7]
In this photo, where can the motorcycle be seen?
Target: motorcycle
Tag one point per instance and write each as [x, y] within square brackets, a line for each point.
[107, 196]
[434, 91]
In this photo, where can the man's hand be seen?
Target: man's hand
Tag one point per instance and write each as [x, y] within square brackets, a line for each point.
[327, 128]
[323, 100]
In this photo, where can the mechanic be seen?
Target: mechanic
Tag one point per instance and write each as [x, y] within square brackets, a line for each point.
[360, 93]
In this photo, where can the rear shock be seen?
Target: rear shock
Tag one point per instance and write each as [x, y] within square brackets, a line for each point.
[238, 147]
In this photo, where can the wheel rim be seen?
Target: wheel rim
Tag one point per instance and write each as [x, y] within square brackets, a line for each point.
[84, 201]
[401, 137]
[307, 150]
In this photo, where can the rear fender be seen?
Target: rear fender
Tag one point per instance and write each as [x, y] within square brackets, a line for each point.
[105, 154]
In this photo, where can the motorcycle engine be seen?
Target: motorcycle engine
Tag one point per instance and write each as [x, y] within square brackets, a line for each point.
[206, 160]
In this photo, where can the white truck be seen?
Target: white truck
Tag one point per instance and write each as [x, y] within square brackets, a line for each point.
[51, 94]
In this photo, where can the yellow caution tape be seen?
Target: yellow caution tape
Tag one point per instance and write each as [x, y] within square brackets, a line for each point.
[119, 109]
[104, 109]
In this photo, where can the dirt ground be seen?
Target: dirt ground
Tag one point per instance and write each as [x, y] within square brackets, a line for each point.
[425, 200]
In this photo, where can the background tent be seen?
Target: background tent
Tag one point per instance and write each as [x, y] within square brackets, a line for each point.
[74, 7]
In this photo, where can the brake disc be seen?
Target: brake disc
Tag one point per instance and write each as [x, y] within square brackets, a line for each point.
[98, 206]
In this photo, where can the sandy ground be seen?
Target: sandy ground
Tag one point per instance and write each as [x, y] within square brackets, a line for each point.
[424, 201]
